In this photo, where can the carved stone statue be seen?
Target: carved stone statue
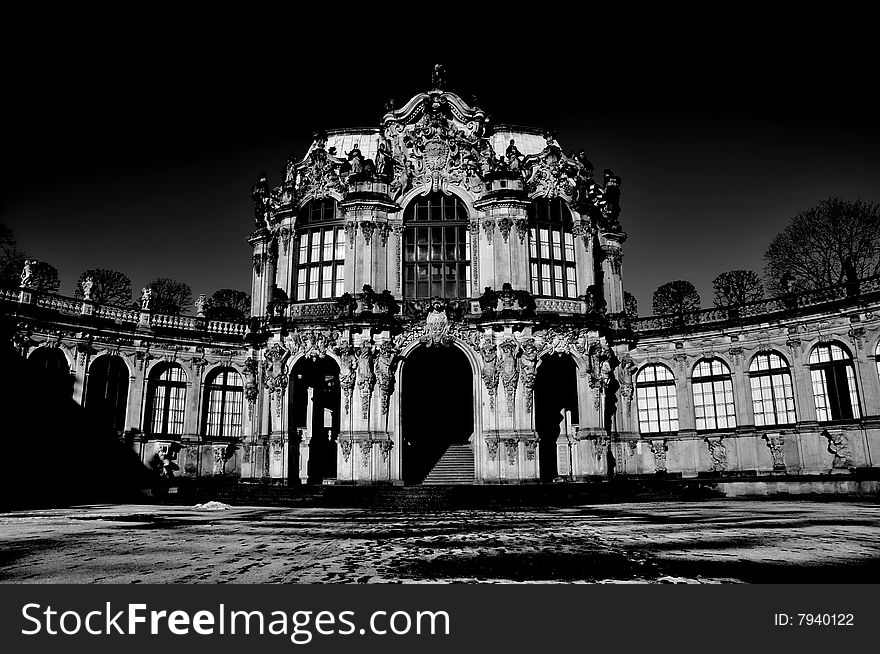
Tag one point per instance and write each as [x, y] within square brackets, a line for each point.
[384, 163]
[27, 274]
[514, 156]
[146, 297]
[355, 160]
[87, 284]
[200, 305]
[490, 372]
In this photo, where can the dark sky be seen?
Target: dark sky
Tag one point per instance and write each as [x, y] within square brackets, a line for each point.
[137, 152]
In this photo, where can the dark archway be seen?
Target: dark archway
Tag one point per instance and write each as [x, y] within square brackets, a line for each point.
[322, 376]
[437, 411]
[50, 365]
[555, 393]
[107, 391]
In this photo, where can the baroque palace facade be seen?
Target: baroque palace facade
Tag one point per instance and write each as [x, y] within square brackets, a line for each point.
[440, 300]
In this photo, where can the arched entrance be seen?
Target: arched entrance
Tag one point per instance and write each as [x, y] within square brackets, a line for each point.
[321, 419]
[556, 407]
[437, 416]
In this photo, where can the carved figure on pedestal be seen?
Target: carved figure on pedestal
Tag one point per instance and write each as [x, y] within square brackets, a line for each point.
[146, 298]
[490, 373]
[87, 285]
[27, 274]
[838, 445]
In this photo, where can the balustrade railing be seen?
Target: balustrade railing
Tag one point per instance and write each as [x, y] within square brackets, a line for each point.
[802, 300]
[227, 328]
[313, 310]
[172, 322]
[116, 313]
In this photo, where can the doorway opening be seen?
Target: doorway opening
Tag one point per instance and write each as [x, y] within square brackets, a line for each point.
[556, 407]
[321, 375]
[437, 416]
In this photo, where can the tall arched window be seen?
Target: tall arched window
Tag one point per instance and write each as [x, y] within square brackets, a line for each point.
[166, 399]
[834, 383]
[437, 248]
[772, 391]
[551, 249]
[320, 262]
[107, 391]
[52, 369]
[657, 400]
[713, 395]
[225, 397]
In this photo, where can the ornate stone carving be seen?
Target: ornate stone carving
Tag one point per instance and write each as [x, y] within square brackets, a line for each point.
[146, 298]
[512, 447]
[658, 450]
[318, 175]
[505, 224]
[437, 140]
[366, 377]
[437, 325]
[277, 451]
[776, 445]
[368, 227]
[345, 445]
[250, 383]
[385, 449]
[614, 256]
[347, 373]
[351, 232]
[275, 375]
[531, 449]
[246, 454]
[219, 452]
[385, 360]
[718, 454]
[838, 445]
[383, 229]
[492, 445]
[528, 368]
[491, 371]
[522, 228]
[509, 371]
[312, 343]
[366, 449]
[489, 229]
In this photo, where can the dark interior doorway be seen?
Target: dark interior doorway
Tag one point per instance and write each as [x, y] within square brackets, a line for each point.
[321, 375]
[437, 407]
[555, 393]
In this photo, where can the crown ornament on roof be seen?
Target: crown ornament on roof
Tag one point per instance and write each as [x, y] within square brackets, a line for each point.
[438, 77]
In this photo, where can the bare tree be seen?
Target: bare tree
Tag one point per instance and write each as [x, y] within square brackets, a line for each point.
[631, 305]
[109, 286]
[11, 258]
[814, 247]
[228, 304]
[735, 288]
[676, 299]
[170, 296]
[45, 277]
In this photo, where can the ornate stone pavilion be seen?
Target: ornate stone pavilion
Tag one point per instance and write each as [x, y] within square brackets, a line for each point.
[439, 299]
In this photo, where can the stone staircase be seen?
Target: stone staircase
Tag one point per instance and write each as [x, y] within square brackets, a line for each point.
[455, 467]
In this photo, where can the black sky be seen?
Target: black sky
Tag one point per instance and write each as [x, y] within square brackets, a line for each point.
[137, 151]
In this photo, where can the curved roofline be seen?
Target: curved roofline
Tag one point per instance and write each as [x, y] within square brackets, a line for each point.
[506, 127]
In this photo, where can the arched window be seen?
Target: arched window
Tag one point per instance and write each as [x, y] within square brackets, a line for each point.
[225, 397]
[437, 248]
[713, 395]
[834, 383]
[772, 391]
[656, 399]
[551, 249]
[107, 391]
[320, 263]
[52, 370]
[166, 399]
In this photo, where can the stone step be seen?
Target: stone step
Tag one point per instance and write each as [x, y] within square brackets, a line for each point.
[455, 467]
